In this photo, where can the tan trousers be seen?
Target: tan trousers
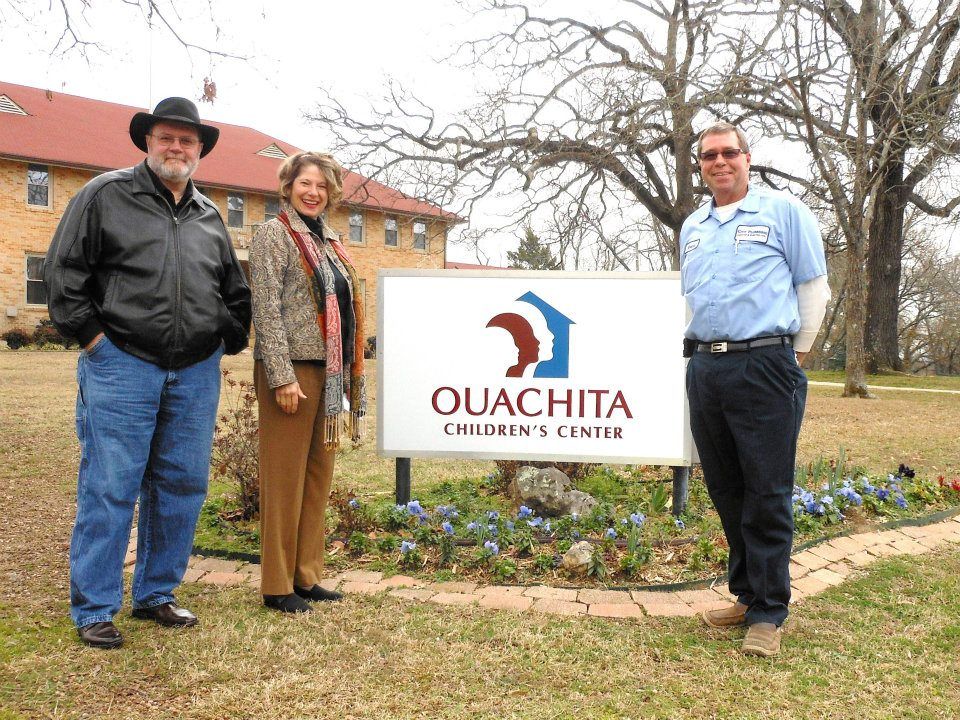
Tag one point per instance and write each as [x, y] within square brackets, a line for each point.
[295, 476]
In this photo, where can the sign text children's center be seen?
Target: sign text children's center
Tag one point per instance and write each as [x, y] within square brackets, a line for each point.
[532, 365]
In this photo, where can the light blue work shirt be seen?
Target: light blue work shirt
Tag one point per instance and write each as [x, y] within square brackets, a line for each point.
[739, 277]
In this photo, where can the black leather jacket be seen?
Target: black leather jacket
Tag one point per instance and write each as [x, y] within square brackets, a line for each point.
[166, 287]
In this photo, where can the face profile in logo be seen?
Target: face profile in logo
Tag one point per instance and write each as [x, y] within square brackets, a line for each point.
[541, 334]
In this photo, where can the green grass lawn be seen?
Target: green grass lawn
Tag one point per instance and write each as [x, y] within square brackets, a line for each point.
[881, 645]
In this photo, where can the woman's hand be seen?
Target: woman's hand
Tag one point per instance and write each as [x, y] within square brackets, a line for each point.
[288, 397]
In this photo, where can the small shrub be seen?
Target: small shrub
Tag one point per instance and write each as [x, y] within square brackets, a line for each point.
[597, 568]
[16, 338]
[358, 543]
[46, 333]
[235, 456]
[504, 568]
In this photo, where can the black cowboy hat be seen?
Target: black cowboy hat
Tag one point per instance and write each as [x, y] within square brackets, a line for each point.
[173, 109]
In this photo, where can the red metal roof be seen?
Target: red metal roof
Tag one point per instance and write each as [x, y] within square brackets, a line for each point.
[453, 265]
[69, 130]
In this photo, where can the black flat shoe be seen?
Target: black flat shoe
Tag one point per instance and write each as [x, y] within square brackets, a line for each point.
[102, 635]
[287, 603]
[317, 593]
[169, 615]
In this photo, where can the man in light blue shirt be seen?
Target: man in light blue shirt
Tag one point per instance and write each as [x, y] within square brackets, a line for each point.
[754, 275]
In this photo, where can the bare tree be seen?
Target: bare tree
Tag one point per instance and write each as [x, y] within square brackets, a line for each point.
[872, 89]
[588, 116]
[76, 31]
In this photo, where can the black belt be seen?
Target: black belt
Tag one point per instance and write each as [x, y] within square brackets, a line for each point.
[725, 346]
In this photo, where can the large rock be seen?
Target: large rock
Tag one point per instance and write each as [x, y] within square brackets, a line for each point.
[548, 492]
[576, 560]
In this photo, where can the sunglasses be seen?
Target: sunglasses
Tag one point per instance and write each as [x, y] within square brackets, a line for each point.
[728, 154]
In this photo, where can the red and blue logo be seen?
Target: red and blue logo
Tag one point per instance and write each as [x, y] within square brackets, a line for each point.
[550, 351]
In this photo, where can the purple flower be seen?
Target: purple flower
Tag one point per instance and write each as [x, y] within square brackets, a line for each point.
[447, 528]
[536, 522]
[406, 546]
[492, 547]
[493, 515]
[472, 526]
[492, 529]
[882, 494]
[901, 501]
[546, 526]
[524, 512]
[610, 534]
[638, 519]
[509, 525]
[413, 507]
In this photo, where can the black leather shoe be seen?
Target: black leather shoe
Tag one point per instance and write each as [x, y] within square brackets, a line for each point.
[287, 603]
[103, 635]
[317, 593]
[169, 615]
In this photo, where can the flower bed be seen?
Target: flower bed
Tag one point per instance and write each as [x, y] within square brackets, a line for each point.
[469, 531]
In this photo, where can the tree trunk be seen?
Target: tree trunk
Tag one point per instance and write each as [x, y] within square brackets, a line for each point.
[884, 258]
[855, 308]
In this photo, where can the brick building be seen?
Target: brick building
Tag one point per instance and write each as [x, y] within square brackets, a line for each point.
[51, 144]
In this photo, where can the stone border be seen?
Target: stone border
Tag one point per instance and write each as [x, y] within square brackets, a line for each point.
[812, 571]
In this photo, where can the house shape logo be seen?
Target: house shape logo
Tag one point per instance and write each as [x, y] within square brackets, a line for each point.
[550, 352]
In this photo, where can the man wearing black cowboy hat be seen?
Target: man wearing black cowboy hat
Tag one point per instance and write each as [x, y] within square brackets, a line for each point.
[142, 273]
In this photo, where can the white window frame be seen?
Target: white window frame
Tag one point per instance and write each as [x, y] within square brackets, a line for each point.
[38, 167]
[386, 230]
[363, 227]
[266, 215]
[243, 209]
[27, 279]
[426, 245]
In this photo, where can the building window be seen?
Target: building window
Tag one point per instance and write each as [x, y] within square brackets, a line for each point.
[36, 293]
[271, 208]
[234, 210]
[356, 228]
[38, 185]
[390, 233]
[419, 236]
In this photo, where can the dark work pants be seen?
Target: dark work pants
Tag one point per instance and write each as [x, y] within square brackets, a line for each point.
[745, 415]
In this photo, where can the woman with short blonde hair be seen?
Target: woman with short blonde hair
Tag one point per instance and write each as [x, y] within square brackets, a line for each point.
[308, 374]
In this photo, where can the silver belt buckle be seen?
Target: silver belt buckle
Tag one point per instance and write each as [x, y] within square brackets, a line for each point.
[718, 347]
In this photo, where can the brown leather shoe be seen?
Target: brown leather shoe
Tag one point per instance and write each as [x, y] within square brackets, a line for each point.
[731, 616]
[169, 615]
[102, 635]
[762, 639]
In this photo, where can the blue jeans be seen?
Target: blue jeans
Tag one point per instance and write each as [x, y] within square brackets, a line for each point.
[144, 432]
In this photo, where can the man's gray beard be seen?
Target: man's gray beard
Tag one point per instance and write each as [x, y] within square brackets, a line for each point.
[172, 175]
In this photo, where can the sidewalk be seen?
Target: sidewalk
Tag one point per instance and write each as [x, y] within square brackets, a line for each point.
[813, 571]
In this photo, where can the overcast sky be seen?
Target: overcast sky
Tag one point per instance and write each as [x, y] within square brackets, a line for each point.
[295, 47]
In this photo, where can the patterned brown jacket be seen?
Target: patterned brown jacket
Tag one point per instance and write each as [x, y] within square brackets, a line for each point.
[284, 312]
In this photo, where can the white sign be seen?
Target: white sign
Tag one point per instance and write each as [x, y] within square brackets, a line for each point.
[532, 366]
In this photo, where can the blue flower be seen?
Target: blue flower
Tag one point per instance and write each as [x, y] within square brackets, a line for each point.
[509, 525]
[610, 534]
[492, 529]
[575, 516]
[624, 521]
[472, 526]
[448, 511]
[882, 494]
[574, 534]
[447, 527]
[638, 519]
[406, 546]
[524, 512]
[679, 523]
[493, 515]
[492, 547]
[546, 526]
[536, 522]
[901, 501]
[413, 507]
[826, 500]
[354, 503]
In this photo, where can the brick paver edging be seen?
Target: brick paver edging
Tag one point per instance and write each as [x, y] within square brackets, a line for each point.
[812, 570]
